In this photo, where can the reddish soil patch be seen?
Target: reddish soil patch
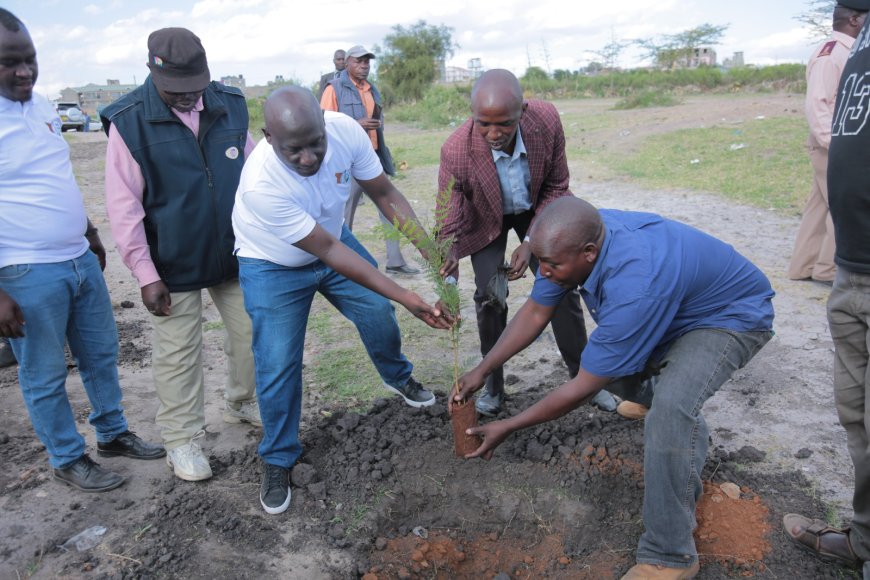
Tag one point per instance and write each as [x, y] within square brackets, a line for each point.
[733, 532]
[442, 557]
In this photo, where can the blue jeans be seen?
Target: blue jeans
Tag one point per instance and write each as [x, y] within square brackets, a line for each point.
[66, 302]
[676, 435]
[278, 300]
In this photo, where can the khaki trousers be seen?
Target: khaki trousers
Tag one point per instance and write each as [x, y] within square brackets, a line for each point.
[177, 360]
[814, 246]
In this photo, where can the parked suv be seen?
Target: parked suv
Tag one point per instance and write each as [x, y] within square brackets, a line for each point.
[71, 117]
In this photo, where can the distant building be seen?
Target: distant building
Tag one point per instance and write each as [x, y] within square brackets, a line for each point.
[736, 61]
[91, 98]
[237, 81]
[475, 67]
[703, 56]
[455, 74]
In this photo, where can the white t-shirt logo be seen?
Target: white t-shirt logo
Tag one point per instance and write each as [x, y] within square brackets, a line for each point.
[342, 177]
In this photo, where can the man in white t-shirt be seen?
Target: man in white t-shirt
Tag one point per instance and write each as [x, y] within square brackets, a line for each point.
[52, 289]
[291, 242]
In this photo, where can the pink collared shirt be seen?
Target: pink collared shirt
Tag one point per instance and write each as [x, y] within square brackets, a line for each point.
[125, 187]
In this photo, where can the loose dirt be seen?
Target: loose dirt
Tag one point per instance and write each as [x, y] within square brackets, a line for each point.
[379, 494]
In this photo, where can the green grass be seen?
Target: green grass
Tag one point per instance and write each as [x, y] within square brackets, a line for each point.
[761, 162]
[647, 99]
[213, 325]
[345, 376]
[416, 148]
[440, 106]
[255, 117]
[339, 367]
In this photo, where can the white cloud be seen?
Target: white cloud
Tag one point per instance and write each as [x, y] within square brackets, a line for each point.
[262, 38]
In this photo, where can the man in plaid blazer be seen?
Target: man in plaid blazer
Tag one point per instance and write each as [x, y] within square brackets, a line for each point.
[506, 163]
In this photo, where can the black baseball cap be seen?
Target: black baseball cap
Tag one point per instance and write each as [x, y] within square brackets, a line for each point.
[859, 5]
[177, 61]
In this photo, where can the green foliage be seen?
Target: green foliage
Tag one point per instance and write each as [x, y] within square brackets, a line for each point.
[535, 74]
[441, 106]
[409, 60]
[647, 99]
[256, 123]
[670, 49]
[784, 77]
[817, 17]
[437, 250]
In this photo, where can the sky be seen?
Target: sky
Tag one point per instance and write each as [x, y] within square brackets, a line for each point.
[91, 41]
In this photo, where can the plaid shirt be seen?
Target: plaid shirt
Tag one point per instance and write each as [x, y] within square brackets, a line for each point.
[475, 215]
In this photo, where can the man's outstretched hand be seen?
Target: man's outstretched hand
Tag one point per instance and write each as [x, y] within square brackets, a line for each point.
[431, 315]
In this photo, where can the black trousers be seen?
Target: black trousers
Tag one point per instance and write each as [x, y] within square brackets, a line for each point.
[568, 324]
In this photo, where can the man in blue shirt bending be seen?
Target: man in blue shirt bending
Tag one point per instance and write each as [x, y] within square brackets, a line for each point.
[677, 312]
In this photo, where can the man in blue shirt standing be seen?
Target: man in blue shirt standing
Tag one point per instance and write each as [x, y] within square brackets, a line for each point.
[677, 312]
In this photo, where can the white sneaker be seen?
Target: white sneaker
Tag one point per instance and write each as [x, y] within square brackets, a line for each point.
[188, 461]
[246, 413]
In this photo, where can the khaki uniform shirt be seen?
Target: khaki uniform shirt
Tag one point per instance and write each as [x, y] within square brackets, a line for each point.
[823, 77]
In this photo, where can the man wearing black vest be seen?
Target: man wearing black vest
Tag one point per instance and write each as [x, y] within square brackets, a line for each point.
[849, 304]
[338, 61]
[353, 95]
[176, 149]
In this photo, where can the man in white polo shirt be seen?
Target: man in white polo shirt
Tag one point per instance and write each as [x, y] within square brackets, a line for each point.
[52, 289]
[292, 242]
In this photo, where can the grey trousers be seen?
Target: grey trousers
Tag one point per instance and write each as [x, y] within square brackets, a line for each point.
[849, 321]
[569, 328]
[675, 434]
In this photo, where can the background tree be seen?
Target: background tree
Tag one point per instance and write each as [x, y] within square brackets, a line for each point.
[818, 18]
[607, 57]
[669, 50]
[410, 60]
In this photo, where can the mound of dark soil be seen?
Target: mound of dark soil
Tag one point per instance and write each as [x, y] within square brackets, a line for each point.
[559, 501]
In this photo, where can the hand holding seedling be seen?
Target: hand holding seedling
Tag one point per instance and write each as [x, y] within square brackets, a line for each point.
[450, 267]
[467, 384]
[434, 316]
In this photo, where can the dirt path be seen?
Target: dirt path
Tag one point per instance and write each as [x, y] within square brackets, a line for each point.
[380, 493]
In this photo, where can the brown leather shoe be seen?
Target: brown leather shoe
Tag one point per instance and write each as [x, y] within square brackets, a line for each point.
[829, 544]
[632, 410]
[653, 572]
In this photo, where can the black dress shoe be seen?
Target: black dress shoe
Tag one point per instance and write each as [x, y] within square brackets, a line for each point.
[129, 444]
[404, 270]
[86, 474]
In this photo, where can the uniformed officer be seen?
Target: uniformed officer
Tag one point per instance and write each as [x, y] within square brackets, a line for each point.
[813, 256]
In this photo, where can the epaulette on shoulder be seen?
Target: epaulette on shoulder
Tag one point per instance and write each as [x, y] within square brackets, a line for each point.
[828, 48]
